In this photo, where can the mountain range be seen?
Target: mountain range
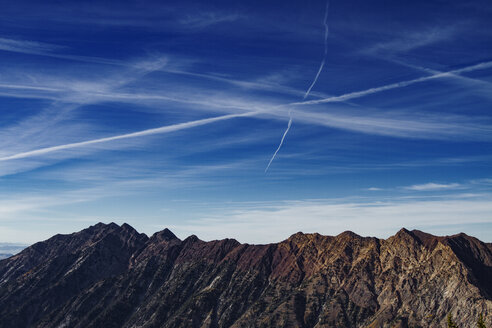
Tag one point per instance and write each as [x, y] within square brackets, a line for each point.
[113, 276]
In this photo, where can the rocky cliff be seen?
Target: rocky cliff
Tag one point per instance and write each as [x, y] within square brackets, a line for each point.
[112, 276]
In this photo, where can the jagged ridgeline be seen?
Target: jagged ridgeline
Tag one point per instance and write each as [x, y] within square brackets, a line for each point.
[113, 276]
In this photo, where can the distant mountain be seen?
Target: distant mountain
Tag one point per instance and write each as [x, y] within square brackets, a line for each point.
[10, 248]
[113, 276]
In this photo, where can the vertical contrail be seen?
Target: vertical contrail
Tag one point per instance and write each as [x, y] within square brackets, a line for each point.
[325, 23]
[281, 142]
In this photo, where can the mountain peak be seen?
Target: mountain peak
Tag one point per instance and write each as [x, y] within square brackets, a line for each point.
[348, 235]
[404, 233]
[297, 236]
[164, 235]
[100, 226]
[191, 239]
[126, 226]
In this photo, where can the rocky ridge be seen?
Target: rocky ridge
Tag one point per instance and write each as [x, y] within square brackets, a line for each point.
[112, 276]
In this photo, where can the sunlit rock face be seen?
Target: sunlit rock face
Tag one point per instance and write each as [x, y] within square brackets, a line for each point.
[113, 276]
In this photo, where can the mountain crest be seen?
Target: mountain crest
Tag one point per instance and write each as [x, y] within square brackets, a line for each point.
[111, 275]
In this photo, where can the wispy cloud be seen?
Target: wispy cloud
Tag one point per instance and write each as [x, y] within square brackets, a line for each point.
[50, 50]
[28, 47]
[206, 19]
[262, 83]
[395, 123]
[171, 65]
[431, 186]
[400, 124]
[55, 122]
[409, 41]
[399, 45]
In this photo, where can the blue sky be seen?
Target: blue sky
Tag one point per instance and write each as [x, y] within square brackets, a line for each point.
[168, 114]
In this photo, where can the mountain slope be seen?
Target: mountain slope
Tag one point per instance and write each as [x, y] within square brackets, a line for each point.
[112, 276]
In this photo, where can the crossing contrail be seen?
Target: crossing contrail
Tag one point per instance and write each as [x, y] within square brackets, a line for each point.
[358, 94]
[465, 79]
[191, 124]
[325, 23]
[159, 130]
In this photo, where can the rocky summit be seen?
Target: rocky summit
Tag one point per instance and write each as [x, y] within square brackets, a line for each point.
[112, 276]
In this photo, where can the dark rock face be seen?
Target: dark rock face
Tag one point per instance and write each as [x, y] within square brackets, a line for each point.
[112, 276]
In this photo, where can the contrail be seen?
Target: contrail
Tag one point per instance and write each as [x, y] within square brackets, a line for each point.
[325, 23]
[159, 130]
[358, 94]
[454, 76]
[191, 124]
[327, 31]
[280, 145]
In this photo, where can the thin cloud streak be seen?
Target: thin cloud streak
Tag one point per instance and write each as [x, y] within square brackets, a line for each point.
[408, 42]
[29, 87]
[431, 186]
[398, 126]
[417, 126]
[207, 19]
[49, 50]
[44, 49]
[27, 47]
[255, 85]
[160, 130]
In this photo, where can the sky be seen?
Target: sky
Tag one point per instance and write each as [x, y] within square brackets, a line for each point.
[246, 119]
